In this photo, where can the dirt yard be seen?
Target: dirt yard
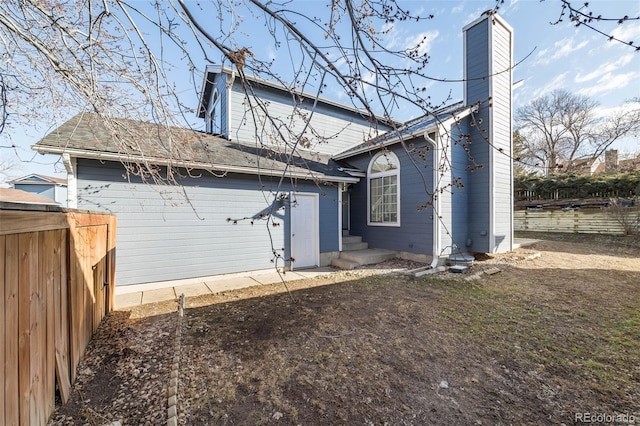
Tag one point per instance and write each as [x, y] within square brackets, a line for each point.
[553, 337]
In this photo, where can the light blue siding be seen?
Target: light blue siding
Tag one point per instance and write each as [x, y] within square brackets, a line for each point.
[459, 195]
[328, 129]
[415, 233]
[502, 140]
[488, 61]
[178, 232]
[477, 61]
[47, 190]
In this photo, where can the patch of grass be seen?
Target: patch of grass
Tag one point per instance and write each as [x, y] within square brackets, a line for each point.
[600, 346]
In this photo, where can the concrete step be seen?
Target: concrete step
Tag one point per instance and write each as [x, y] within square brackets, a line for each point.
[349, 239]
[354, 246]
[368, 256]
[344, 264]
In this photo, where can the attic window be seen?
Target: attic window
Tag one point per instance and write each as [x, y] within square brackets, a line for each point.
[383, 190]
[213, 117]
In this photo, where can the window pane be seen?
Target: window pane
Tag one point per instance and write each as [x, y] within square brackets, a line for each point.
[376, 200]
[383, 163]
[383, 191]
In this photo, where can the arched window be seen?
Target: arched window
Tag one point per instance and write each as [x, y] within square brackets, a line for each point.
[383, 179]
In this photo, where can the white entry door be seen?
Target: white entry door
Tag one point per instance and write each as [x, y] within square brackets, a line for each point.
[305, 247]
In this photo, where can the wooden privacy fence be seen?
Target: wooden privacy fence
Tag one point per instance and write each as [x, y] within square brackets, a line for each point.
[587, 221]
[56, 284]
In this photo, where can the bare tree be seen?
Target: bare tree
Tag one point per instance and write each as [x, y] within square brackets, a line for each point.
[580, 15]
[557, 129]
[114, 56]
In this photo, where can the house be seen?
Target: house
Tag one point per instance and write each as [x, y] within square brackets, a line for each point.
[611, 164]
[53, 188]
[615, 165]
[18, 196]
[435, 186]
[585, 166]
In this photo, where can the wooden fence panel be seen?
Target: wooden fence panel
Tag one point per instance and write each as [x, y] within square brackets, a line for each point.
[572, 221]
[11, 297]
[28, 259]
[56, 285]
[2, 325]
[61, 318]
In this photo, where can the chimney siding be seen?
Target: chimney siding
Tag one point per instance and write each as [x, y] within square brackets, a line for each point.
[488, 83]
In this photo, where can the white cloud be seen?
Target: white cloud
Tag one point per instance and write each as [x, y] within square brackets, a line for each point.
[472, 16]
[272, 53]
[387, 27]
[609, 82]
[629, 31]
[558, 82]
[601, 112]
[559, 50]
[605, 68]
[457, 9]
[422, 41]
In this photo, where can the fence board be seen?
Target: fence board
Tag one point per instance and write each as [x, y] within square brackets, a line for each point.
[52, 258]
[111, 262]
[11, 321]
[573, 221]
[61, 318]
[16, 222]
[52, 299]
[38, 337]
[2, 325]
[25, 279]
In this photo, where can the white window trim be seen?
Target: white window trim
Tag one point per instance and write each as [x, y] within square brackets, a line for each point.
[394, 172]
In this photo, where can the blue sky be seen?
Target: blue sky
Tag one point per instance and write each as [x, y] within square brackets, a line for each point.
[553, 56]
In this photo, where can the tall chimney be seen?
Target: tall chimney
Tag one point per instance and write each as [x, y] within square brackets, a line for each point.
[611, 161]
[488, 52]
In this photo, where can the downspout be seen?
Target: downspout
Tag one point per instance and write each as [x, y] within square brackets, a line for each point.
[436, 203]
[72, 181]
[341, 187]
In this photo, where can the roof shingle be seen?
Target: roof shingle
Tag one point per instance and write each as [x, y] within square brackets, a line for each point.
[87, 136]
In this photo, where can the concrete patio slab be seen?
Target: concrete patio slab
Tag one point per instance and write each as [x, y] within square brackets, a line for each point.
[312, 273]
[216, 286]
[192, 290]
[158, 295]
[274, 277]
[128, 300]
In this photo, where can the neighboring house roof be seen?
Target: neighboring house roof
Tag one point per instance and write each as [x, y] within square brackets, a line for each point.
[129, 141]
[410, 129]
[585, 166]
[10, 195]
[37, 179]
[629, 165]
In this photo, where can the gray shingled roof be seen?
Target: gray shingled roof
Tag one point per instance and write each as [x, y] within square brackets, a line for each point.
[88, 136]
[39, 180]
[407, 130]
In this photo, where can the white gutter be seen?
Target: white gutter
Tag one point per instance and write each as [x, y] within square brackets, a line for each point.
[366, 148]
[443, 128]
[72, 181]
[185, 164]
[436, 203]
